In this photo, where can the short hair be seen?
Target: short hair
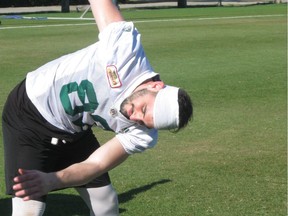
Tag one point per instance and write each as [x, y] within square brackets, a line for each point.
[185, 109]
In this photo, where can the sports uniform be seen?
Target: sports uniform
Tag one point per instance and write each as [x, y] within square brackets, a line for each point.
[48, 117]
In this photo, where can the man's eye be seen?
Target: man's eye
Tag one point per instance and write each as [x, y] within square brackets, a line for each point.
[144, 109]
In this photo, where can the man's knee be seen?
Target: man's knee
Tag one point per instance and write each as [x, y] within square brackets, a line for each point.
[25, 208]
[102, 201]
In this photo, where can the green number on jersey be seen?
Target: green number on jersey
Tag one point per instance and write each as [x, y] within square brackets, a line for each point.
[87, 96]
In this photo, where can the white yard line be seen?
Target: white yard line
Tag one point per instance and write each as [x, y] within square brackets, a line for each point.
[45, 26]
[210, 18]
[140, 21]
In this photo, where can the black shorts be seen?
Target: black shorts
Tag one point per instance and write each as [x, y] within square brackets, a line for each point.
[30, 141]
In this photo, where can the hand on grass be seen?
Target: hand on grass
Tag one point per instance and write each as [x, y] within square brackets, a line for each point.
[32, 184]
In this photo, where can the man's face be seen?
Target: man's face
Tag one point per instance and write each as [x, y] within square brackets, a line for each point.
[138, 107]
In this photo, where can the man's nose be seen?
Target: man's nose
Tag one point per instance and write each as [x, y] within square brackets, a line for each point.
[136, 116]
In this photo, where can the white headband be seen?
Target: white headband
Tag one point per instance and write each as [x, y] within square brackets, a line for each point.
[166, 108]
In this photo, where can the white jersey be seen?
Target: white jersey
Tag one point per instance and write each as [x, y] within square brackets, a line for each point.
[87, 87]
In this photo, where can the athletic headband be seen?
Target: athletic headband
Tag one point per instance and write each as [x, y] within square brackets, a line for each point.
[166, 108]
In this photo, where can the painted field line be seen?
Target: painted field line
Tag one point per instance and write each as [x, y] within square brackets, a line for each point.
[140, 21]
[211, 18]
[46, 26]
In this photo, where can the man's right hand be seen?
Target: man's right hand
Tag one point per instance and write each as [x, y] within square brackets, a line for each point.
[32, 184]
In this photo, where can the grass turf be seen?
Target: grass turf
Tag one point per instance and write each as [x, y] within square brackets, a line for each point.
[232, 159]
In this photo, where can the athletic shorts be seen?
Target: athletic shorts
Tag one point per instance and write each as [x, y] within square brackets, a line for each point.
[30, 142]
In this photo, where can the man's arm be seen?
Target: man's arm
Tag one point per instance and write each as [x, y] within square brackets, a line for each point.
[31, 184]
[105, 12]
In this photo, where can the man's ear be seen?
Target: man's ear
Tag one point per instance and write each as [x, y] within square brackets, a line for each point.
[155, 85]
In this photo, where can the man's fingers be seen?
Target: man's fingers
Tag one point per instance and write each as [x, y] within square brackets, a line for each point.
[22, 186]
[30, 184]
[26, 191]
[25, 195]
[27, 182]
[21, 171]
[25, 175]
[25, 172]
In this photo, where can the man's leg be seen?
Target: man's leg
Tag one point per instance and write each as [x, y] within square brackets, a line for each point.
[98, 194]
[102, 201]
[21, 150]
[12, 152]
[25, 208]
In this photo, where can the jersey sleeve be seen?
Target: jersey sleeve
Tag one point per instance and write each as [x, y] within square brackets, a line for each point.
[121, 48]
[138, 139]
[119, 41]
[120, 45]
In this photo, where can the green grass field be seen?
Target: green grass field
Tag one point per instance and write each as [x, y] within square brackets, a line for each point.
[232, 159]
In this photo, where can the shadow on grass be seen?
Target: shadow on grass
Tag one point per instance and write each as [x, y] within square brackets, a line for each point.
[74, 205]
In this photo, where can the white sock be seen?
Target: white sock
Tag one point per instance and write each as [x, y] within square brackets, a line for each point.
[25, 208]
[102, 201]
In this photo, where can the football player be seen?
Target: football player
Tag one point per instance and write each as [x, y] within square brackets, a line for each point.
[47, 119]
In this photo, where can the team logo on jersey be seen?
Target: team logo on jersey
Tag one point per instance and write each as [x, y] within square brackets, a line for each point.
[113, 76]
